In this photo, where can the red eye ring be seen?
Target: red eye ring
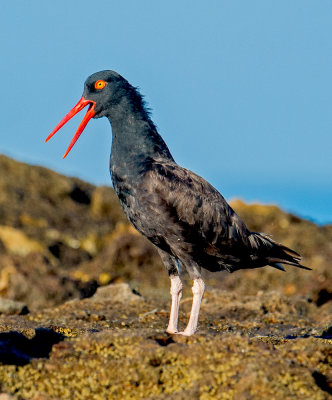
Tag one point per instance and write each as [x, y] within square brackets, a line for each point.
[100, 84]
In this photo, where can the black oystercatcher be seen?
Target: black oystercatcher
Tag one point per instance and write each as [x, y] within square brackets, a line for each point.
[184, 216]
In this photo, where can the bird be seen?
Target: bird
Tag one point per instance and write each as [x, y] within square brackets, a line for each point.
[185, 217]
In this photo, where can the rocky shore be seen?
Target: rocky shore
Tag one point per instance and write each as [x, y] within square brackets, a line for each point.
[85, 301]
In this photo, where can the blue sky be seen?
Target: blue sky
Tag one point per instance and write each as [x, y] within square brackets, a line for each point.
[240, 90]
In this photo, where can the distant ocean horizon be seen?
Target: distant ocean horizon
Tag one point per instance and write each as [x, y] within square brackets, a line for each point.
[309, 201]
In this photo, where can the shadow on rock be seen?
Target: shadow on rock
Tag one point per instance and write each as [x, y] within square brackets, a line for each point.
[323, 382]
[17, 349]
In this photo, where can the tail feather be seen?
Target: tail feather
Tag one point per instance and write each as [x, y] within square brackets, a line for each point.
[278, 266]
[275, 253]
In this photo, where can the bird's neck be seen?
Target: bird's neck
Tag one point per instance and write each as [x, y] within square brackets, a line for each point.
[135, 137]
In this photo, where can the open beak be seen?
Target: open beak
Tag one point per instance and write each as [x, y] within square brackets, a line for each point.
[79, 106]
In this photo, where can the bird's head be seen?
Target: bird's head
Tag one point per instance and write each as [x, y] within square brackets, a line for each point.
[102, 92]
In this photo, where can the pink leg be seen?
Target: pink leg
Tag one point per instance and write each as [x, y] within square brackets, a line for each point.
[176, 293]
[198, 291]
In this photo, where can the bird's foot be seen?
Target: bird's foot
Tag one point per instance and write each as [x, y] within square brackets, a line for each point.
[171, 330]
[186, 332]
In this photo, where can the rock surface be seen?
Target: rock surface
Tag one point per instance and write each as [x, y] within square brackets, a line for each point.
[251, 347]
[9, 307]
[91, 335]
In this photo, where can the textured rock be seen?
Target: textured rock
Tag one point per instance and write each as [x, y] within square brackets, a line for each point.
[9, 307]
[16, 242]
[248, 347]
[118, 292]
[5, 396]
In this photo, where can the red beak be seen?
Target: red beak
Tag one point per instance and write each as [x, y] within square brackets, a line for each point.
[79, 106]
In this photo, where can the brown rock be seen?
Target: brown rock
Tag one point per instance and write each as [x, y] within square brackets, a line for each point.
[9, 307]
[117, 292]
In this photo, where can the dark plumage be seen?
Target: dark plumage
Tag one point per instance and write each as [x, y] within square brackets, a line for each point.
[184, 216]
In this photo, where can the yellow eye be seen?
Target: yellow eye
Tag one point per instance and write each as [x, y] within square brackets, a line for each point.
[100, 84]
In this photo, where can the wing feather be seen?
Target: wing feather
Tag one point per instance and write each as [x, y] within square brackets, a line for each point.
[196, 205]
